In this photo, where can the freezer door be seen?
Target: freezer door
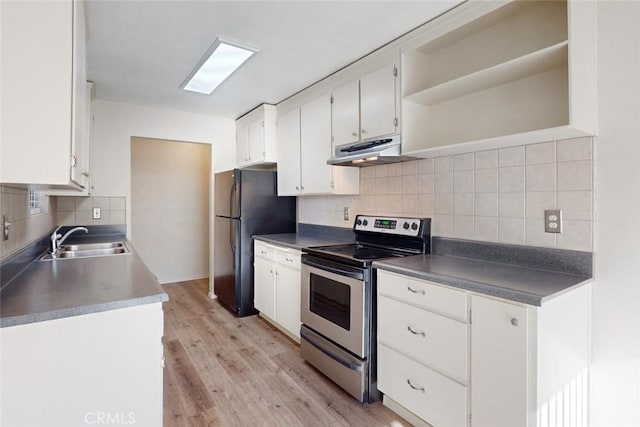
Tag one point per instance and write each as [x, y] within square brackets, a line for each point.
[226, 194]
[226, 260]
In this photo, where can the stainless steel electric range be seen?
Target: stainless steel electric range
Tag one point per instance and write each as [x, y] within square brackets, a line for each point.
[338, 304]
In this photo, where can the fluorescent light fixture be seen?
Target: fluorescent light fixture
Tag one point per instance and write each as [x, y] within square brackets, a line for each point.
[218, 63]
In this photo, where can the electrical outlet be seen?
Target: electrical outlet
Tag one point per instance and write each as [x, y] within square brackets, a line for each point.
[346, 213]
[96, 213]
[553, 221]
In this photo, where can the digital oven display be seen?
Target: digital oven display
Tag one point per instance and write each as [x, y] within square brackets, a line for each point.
[385, 223]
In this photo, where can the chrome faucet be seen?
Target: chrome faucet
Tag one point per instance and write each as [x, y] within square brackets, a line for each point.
[57, 239]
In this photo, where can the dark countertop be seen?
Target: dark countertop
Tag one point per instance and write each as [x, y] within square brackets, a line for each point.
[511, 282]
[298, 241]
[48, 290]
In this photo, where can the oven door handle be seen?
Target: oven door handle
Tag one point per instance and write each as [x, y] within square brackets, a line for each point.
[343, 362]
[355, 274]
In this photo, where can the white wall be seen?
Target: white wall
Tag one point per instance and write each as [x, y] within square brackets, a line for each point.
[615, 380]
[170, 207]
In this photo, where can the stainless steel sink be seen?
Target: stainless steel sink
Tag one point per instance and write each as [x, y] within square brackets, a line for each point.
[87, 250]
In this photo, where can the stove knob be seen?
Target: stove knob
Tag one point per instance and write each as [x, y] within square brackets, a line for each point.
[405, 225]
[364, 222]
[414, 226]
[358, 221]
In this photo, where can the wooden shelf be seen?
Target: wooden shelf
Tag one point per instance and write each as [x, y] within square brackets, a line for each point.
[528, 65]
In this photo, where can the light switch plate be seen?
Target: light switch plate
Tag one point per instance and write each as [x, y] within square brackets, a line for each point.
[346, 213]
[553, 221]
[96, 213]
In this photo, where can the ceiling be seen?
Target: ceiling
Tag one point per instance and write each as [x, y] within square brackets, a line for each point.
[141, 51]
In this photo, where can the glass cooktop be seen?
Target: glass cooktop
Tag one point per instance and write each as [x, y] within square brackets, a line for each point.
[361, 252]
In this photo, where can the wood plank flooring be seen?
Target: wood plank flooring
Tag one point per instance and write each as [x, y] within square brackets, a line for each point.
[225, 371]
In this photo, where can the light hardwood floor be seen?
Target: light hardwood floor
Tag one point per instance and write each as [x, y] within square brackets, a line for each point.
[225, 371]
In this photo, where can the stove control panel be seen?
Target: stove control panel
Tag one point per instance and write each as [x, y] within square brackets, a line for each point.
[388, 225]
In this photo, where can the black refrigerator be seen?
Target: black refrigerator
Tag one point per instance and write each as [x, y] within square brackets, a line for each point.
[246, 204]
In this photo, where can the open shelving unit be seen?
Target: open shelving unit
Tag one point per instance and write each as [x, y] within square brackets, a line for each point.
[521, 73]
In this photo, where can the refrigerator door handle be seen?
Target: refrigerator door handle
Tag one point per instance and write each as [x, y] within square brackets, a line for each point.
[232, 243]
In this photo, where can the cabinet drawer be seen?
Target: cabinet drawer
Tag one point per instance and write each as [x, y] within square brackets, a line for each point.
[424, 294]
[264, 250]
[436, 399]
[288, 257]
[433, 340]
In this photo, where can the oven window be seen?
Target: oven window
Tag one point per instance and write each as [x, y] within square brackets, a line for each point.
[330, 300]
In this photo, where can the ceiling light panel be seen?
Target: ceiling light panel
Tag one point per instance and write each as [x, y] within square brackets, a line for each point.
[220, 61]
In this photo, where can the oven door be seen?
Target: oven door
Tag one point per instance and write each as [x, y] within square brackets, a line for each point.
[333, 302]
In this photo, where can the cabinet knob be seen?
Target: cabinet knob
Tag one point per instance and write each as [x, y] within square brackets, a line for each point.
[363, 131]
[415, 387]
[297, 188]
[414, 332]
[416, 291]
[514, 321]
[288, 259]
[354, 133]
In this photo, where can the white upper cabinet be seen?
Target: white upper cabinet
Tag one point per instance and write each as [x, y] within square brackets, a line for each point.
[365, 108]
[303, 169]
[256, 137]
[345, 114]
[491, 74]
[378, 115]
[44, 94]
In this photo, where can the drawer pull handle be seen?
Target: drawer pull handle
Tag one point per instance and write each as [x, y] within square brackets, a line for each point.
[418, 388]
[416, 291]
[263, 252]
[414, 332]
[288, 259]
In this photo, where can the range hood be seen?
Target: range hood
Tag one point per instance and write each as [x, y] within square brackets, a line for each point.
[371, 152]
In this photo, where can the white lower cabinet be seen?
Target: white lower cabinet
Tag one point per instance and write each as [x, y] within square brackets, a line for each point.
[455, 358]
[277, 280]
[77, 370]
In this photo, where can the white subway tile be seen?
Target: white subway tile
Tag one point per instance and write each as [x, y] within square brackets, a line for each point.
[539, 201]
[511, 179]
[410, 184]
[463, 226]
[541, 177]
[486, 159]
[576, 235]
[444, 203]
[463, 203]
[381, 170]
[410, 204]
[512, 156]
[395, 204]
[368, 172]
[463, 181]
[425, 166]
[381, 204]
[575, 149]
[536, 236]
[463, 162]
[575, 175]
[511, 230]
[444, 164]
[486, 180]
[367, 204]
[486, 228]
[443, 182]
[382, 185]
[367, 186]
[576, 205]
[486, 204]
[541, 153]
[511, 205]
[425, 183]
[410, 167]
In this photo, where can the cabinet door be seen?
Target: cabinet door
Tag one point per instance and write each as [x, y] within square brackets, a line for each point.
[288, 143]
[79, 137]
[498, 363]
[242, 145]
[315, 146]
[264, 287]
[256, 141]
[288, 299]
[378, 103]
[345, 114]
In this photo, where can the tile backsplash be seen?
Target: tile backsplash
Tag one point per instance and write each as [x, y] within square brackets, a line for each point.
[25, 227]
[78, 210]
[494, 195]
